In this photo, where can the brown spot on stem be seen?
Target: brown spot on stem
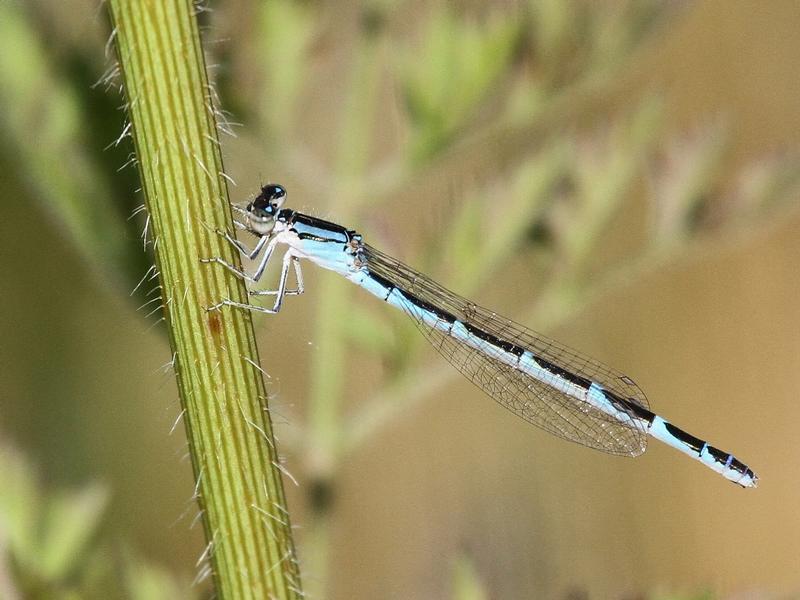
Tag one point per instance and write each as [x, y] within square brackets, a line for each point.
[214, 324]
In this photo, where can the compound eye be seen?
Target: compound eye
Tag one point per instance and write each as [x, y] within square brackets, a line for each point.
[267, 203]
[276, 193]
[261, 202]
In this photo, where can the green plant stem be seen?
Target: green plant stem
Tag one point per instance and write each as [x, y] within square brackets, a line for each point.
[228, 427]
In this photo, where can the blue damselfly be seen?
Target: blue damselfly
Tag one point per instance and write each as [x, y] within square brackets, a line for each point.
[538, 379]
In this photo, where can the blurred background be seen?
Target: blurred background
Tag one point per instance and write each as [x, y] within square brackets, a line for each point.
[622, 176]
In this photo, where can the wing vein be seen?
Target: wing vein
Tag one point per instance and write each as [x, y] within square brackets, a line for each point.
[491, 351]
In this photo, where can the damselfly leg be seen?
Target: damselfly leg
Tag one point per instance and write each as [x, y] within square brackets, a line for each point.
[267, 245]
[298, 273]
[244, 250]
[262, 265]
[280, 292]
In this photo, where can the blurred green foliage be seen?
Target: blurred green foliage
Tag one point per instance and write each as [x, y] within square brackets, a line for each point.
[508, 117]
[49, 120]
[51, 546]
[46, 534]
[467, 584]
[463, 60]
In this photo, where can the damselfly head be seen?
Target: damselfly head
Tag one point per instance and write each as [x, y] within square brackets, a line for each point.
[262, 210]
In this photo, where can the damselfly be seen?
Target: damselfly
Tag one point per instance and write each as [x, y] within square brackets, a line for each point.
[542, 381]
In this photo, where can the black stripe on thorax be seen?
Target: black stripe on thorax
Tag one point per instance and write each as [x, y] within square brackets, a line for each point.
[312, 228]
